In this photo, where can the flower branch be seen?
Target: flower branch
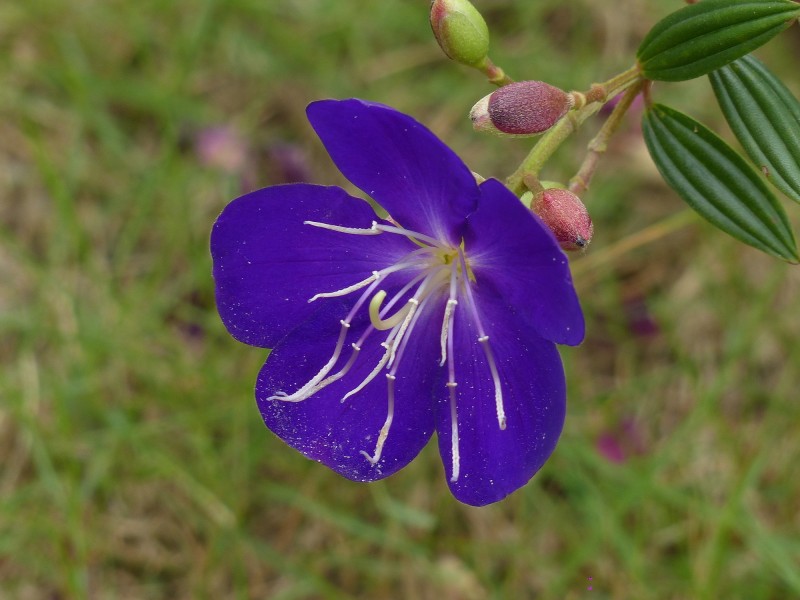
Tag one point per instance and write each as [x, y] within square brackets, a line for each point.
[597, 147]
[586, 105]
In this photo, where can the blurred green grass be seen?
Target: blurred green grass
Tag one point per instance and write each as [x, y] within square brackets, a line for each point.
[134, 462]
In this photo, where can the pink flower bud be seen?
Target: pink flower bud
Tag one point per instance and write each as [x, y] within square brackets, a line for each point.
[520, 109]
[564, 213]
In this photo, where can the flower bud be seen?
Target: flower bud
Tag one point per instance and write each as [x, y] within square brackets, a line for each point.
[564, 213]
[520, 109]
[460, 30]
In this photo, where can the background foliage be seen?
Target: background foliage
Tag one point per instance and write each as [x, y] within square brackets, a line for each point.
[134, 462]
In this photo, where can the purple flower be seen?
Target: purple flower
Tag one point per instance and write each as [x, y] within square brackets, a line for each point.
[442, 317]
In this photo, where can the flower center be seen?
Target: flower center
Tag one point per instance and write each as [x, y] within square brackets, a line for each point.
[439, 271]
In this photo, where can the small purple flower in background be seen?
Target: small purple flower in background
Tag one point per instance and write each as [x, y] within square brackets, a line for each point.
[287, 163]
[222, 148]
[622, 441]
[442, 317]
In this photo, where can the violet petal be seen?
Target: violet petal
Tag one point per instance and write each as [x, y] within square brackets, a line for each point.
[333, 432]
[405, 168]
[514, 253]
[268, 264]
[495, 462]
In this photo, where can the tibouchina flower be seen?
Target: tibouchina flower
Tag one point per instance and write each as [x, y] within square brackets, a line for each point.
[441, 317]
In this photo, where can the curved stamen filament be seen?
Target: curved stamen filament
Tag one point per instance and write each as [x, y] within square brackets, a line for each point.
[316, 383]
[390, 383]
[484, 341]
[360, 343]
[384, 324]
[398, 333]
[391, 344]
[341, 372]
[308, 389]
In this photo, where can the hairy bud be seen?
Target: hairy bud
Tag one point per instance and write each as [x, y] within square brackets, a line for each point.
[564, 213]
[520, 109]
[460, 30]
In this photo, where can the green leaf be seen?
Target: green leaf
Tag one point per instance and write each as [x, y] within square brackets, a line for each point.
[716, 182]
[703, 37]
[765, 118]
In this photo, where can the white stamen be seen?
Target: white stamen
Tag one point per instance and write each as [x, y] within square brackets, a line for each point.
[448, 315]
[408, 233]
[412, 259]
[454, 451]
[384, 433]
[338, 375]
[352, 288]
[498, 390]
[308, 389]
[318, 381]
[484, 341]
[381, 363]
[376, 229]
[386, 342]
[413, 305]
[351, 230]
[449, 309]
[393, 340]
[314, 385]
[407, 336]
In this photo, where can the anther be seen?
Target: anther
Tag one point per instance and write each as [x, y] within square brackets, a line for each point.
[351, 288]
[373, 230]
[448, 315]
[454, 445]
[498, 388]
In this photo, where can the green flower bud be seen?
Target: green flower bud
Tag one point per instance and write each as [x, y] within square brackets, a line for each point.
[520, 109]
[460, 30]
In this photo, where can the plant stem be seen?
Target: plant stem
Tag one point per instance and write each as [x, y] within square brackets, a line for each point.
[493, 73]
[597, 147]
[587, 105]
